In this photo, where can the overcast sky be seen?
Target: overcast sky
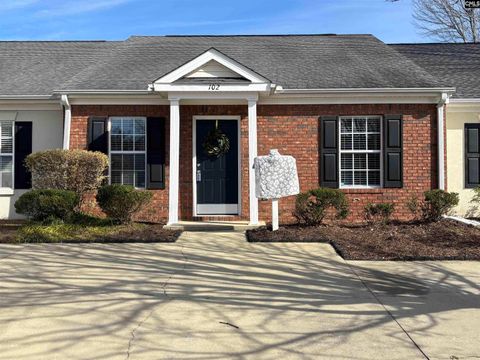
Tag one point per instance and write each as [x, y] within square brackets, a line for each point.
[118, 19]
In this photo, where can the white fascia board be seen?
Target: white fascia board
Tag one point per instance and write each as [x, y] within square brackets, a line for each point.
[239, 95]
[335, 91]
[101, 92]
[349, 99]
[211, 54]
[25, 97]
[262, 87]
[472, 101]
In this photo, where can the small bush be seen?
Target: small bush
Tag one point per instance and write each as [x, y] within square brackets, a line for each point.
[438, 203]
[312, 206]
[435, 204]
[380, 212]
[47, 205]
[79, 171]
[413, 206]
[476, 197]
[121, 202]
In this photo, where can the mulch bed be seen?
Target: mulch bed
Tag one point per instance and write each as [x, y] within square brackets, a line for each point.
[443, 240]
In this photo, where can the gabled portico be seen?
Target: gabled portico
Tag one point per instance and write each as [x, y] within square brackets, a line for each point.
[212, 77]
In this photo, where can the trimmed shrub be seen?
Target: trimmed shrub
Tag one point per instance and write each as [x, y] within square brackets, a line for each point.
[311, 207]
[121, 202]
[380, 212]
[435, 204]
[438, 203]
[79, 171]
[47, 205]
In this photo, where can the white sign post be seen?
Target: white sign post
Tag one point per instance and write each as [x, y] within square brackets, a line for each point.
[275, 177]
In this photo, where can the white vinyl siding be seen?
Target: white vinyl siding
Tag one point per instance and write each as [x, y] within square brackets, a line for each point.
[360, 151]
[213, 69]
[127, 151]
[6, 154]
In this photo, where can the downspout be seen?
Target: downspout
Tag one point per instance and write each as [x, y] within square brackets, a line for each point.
[441, 140]
[67, 121]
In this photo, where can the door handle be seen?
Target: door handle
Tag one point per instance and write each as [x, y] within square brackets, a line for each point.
[199, 175]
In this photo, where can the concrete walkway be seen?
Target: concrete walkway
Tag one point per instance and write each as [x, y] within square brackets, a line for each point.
[214, 296]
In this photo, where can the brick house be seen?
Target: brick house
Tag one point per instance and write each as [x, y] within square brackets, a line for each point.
[354, 112]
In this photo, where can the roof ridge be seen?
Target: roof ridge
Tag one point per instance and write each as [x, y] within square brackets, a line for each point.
[434, 43]
[247, 35]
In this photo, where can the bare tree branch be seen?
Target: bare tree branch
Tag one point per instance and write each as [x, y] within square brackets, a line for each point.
[447, 20]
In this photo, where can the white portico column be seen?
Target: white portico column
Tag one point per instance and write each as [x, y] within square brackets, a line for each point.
[252, 153]
[174, 161]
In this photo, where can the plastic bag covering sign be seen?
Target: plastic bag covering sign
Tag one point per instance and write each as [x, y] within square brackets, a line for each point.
[275, 176]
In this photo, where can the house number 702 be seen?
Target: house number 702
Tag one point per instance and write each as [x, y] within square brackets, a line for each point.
[214, 87]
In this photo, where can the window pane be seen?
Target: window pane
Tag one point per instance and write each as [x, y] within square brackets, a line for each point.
[373, 125]
[128, 162]
[116, 142]
[360, 178]
[373, 141]
[346, 142]
[127, 126]
[360, 161]
[347, 178]
[127, 143]
[7, 128]
[6, 146]
[140, 179]
[139, 126]
[6, 163]
[128, 178]
[140, 143]
[116, 177]
[359, 125]
[374, 161]
[140, 162]
[346, 125]
[6, 180]
[374, 178]
[347, 161]
[116, 162]
[116, 126]
[359, 142]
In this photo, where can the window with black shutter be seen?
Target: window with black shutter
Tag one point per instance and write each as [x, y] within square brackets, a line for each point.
[393, 151]
[23, 148]
[329, 151]
[155, 153]
[98, 134]
[472, 155]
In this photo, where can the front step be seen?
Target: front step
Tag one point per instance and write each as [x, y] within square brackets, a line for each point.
[213, 226]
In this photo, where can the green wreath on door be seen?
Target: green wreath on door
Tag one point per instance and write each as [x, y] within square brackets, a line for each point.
[216, 142]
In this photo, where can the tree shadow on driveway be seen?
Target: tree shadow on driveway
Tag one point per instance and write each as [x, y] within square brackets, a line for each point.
[212, 296]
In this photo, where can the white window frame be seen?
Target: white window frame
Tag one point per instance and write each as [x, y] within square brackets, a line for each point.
[9, 190]
[360, 152]
[109, 128]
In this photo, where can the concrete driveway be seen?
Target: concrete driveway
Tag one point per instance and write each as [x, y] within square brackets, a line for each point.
[214, 296]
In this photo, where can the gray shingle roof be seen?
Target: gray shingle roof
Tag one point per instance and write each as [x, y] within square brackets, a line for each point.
[457, 64]
[292, 61]
[39, 67]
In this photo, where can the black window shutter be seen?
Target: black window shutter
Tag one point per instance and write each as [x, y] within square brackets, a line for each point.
[23, 148]
[472, 155]
[155, 153]
[98, 134]
[329, 152]
[392, 151]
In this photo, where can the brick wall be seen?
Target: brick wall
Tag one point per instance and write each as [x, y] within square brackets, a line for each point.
[293, 129]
